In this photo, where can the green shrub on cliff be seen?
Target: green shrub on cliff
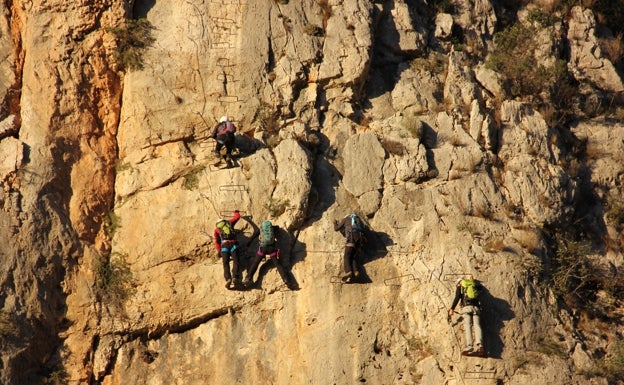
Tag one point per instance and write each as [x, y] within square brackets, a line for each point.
[132, 38]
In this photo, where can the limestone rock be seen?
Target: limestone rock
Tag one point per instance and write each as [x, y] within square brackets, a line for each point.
[532, 173]
[459, 87]
[489, 80]
[587, 61]
[12, 156]
[8, 126]
[444, 26]
[292, 182]
[364, 158]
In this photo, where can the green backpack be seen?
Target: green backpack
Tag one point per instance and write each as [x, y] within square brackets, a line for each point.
[225, 226]
[267, 237]
[470, 288]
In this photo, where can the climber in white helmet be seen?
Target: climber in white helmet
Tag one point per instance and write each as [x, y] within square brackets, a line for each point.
[223, 133]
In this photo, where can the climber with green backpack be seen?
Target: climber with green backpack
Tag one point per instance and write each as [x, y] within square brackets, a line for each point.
[267, 246]
[227, 246]
[467, 292]
[353, 228]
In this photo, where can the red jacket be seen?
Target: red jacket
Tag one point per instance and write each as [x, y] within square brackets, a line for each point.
[217, 232]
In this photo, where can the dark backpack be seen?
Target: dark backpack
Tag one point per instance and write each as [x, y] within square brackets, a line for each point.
[267, 236]
[227, 232]
[225, 128]
[471, 289]
[354, 228]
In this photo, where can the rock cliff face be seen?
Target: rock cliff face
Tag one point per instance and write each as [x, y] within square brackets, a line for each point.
[110, 196]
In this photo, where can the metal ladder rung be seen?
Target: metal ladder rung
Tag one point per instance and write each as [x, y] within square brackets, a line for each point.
[233, 187]
[479, 374]
[453, 276]
[399, 279]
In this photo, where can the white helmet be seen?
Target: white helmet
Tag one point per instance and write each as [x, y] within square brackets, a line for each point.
[223, 119]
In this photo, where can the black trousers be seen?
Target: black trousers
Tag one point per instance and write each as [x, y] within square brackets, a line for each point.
[273, 253]
[350, 262]
[228, 141]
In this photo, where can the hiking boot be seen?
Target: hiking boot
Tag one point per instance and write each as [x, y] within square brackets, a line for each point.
[292, 286]
[247, 283]
[228, 284]
[467, 350]
[347, 278]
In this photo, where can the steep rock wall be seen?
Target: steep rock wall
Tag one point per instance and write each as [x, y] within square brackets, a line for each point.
[333, 118]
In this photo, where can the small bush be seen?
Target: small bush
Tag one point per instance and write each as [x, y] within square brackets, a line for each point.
[267, 118]
[494, 246]
[191, 180]
[434, 63]
[313, 30]
[465, 226]
[393, 147]
[111, 223]
[443, 6]
[420, 346]
[58, 377]
[277, 208]
[613, 47]
[122, 166]
[612, 367]
[572, 269]
[413, 125]
[8, 325]
[542, 18]
[132, 38]
[615, 213]
[550, 347]
[513, 58]
[609, 13]
[113, 279]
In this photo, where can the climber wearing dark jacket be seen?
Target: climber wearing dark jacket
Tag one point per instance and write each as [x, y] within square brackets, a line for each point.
[352, 229]
[223, 133]
[227, 247]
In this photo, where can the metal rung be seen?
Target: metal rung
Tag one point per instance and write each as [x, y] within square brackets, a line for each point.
[233, 187]
[453, 276]
[399, 279]
[479, 374]
[228, 99]
[211, 144]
